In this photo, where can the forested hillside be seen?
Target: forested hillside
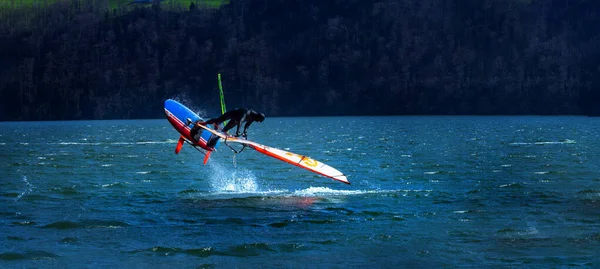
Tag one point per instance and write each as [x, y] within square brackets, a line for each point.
[77, 60]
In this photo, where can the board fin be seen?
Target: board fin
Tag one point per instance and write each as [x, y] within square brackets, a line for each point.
[179, 144]
[206, 156]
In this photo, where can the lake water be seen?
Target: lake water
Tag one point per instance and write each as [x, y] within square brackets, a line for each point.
[426, 192]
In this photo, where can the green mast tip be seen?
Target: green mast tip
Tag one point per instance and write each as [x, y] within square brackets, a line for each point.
[222, 97]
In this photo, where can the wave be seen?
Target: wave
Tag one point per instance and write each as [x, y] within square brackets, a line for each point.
[168, 141]
[589, 194]
[24, 223]
[87, 224]
[467, 211]
[511, 232]
[27, 255]
[69, 240]
[324, 192]
[255, 249]
[512, 185]
[65, 190]
[240, 250]
[566, 141]
[227, 195]
[188, 191]
[75, 143]
[199, 252]
[10, 194]
[311, 192]
[115, 184]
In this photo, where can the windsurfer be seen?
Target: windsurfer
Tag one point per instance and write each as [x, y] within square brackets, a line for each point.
[236, 117]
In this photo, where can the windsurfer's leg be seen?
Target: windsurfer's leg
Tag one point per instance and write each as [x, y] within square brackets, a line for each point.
[212, 141]
[194, 133]
[218, 120]
[229, 125]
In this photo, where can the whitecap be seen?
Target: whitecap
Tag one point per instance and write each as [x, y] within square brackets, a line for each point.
[28, 188]
[508, 185]
[153, 142]
[547, 143]
[113, 184]
[519, 143]
[567, 141]
[76, 143]
[530, 231]
[312, 191]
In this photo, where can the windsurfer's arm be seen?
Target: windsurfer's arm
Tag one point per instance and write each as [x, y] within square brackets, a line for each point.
[237, 130]
[248, 123]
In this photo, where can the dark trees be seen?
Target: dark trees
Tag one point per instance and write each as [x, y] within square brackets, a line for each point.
[288, 57]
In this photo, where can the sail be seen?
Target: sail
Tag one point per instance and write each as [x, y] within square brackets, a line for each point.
[301, 161]
[288, 157]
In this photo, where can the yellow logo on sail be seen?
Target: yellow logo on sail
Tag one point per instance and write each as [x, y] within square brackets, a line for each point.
[305, 160]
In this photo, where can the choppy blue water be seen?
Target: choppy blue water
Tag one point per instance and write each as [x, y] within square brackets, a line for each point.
[426, 192]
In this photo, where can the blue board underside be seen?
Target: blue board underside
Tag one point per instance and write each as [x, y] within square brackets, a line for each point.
[183, 113]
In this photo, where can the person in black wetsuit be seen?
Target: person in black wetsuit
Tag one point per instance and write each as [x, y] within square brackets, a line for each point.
[236, 117]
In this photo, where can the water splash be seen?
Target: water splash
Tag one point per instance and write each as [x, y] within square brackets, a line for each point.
[184, 99]
[224, 180]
